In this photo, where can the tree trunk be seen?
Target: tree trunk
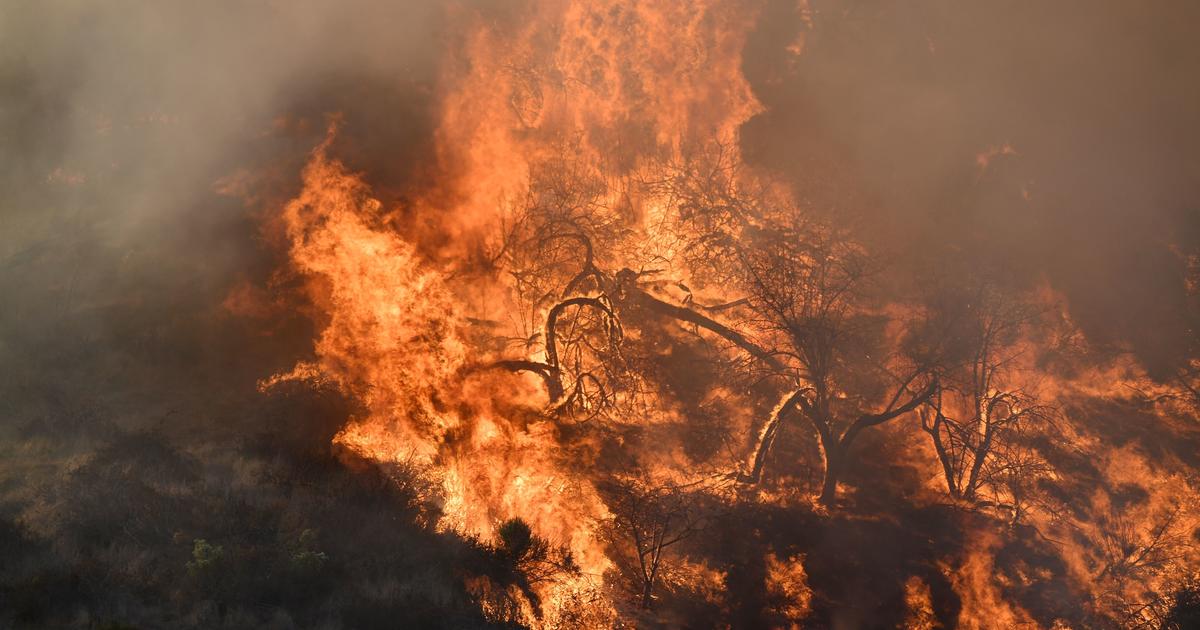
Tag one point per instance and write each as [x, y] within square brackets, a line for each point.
[833, 470]
[980, 453]
[767, 437]
[943, 456]
[837, 450]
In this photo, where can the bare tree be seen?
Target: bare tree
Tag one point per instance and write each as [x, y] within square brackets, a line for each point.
[562, 248]
[804, 293]
[553, 244]
[984, 449]
[650, 518]
[981, 418]
[1137, 560]
[808, 299]
[802, 286]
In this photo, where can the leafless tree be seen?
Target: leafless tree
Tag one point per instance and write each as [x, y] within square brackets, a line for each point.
[803, 283]
[553, 244]
[563, 247]
[985, 449]
[808, 299]
[981, 418]
[1136, 560]
[649, 518]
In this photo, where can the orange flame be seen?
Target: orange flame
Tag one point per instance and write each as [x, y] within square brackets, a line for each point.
[618, 86]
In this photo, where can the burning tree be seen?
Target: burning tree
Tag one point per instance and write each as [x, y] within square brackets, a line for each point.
[571, 251]
[805, 294]
[544, 295]
[808, 298]
[553, 244]
[1137, 560]
[649, 518]
[803, 283]
[982, 419]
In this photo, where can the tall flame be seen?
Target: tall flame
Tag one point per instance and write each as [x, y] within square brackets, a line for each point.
[618, 82]
[615, 86]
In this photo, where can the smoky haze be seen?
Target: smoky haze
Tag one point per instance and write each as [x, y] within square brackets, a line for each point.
[120, 120]
[133, 137]
[127, 128]
[1095, 100]
[144, 144]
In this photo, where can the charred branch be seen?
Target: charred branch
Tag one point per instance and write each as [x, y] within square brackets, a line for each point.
[550, 374]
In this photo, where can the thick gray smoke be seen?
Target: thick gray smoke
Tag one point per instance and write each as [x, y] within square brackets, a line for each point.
[123, 122]
[130, 429]
[912, 106]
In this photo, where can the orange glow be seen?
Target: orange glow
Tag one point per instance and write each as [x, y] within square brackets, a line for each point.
[594, 113]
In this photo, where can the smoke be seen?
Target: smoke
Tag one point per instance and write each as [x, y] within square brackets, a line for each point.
[148, 147]
[141, 142]
[131, 128]
[1055, 139]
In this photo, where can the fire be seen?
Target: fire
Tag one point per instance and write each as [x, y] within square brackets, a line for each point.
[565, 314]
[625, 84]
[919, 602]
[787, 585]
[983, 602]
[394, 339]
[616, 83]
[393, 332]
[508, 301]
